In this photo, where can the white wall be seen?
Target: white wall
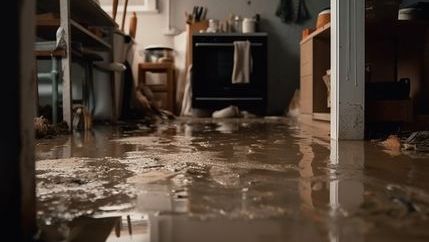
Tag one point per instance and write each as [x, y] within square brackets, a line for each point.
[150, 30]
[150, 26]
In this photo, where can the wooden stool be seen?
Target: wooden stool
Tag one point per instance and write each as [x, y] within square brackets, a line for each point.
[167, 89]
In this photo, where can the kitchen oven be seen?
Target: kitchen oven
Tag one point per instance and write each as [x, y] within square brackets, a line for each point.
[213, 64]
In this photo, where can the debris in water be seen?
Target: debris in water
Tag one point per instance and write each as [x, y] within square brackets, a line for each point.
[392, 145]
[225, 176]
[43, 129]
[418, 141]
[117, 207]
[398, 195]
[318, 186]
[152, 177]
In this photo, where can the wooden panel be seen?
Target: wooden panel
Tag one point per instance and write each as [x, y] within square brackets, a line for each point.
[322, 116]
[306, 100]
[324, 32]
[380, 54]
[192, 28]
[425, 85]
[49, 54]
[306, 52]
[389, 111]
[410, 58]
[46, 28]
[321, 63]
[83, 11]
[307, 58]
[307, 69]
[315, 61]
[403, 49]
[421, 122]
[306, 85]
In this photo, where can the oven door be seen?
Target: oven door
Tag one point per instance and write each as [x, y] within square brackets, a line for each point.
[213, 60]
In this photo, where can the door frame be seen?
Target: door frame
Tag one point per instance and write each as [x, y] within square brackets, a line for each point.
[347, 69]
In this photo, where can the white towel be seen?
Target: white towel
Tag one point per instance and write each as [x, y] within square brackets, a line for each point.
[242, 62]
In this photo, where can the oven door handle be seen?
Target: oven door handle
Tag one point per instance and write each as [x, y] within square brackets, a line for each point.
[224, 44]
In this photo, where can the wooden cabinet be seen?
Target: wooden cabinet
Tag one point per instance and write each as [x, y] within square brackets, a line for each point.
[400, 50]
[393, 51]
[315, 61]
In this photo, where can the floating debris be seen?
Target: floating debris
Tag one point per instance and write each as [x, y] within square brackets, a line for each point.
[418, 141]
[121, 207]
[43, 129]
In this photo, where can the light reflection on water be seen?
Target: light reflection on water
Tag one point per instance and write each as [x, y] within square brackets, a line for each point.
[233, 180]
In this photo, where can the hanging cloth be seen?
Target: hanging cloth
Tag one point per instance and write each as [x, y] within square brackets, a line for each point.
[290, 11]
[285, 11]
[302, 13]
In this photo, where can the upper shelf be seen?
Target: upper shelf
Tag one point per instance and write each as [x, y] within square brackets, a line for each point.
[83, 11]
[323, 32]
[47, 29]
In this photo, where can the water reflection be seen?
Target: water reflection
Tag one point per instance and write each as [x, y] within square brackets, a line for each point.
[228, 180]
[346, 190]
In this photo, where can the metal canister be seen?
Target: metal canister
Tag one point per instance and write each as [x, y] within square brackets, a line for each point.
[238, 24]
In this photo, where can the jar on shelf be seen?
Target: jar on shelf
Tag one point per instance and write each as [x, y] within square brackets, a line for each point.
[213, 26]
[238, 24]
[249, 25]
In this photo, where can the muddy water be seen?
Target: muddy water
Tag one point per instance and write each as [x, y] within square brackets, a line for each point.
[229, 180]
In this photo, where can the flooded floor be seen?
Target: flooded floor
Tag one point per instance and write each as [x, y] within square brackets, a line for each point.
[229, 180]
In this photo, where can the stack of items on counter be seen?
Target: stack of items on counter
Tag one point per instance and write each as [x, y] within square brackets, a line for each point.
[231, 24]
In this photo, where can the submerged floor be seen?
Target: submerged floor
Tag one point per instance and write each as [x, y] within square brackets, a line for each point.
[229, 180]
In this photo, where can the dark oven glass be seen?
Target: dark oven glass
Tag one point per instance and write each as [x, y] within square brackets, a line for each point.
[214, 62]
